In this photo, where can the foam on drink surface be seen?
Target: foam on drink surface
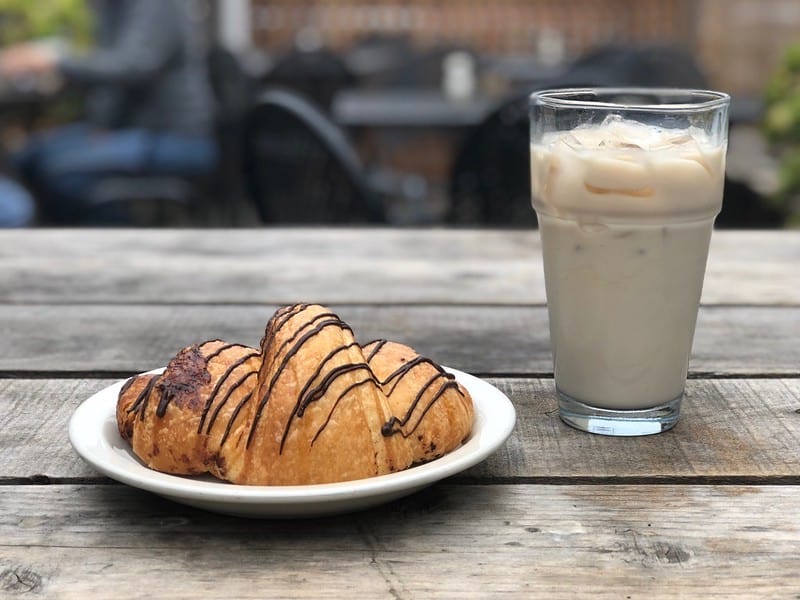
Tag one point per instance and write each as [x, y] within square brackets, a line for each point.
[622, 170]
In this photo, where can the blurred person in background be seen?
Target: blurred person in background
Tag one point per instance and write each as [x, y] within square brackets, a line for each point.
[149, 105]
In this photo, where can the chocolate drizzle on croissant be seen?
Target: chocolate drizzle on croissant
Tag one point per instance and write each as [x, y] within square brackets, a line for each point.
[294, 344]
[141, 400]
[311, 406]
[395, 424]
[222, 380]
[303, 397]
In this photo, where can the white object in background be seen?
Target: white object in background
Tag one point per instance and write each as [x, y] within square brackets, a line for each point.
[458, 75]
[551, 48]
[235, 24]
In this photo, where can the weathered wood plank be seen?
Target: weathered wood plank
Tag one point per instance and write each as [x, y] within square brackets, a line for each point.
[730, 430]
[526, 541]
[342, 266]
[267, 265]
[489, 340]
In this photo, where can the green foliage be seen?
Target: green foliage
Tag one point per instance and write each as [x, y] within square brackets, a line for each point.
[23, 20]
[781, 125]
[28, 20]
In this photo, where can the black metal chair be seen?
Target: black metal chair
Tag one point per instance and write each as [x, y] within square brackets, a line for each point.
[316, 74]
[654, 65]
[300, 167]
[490, 180]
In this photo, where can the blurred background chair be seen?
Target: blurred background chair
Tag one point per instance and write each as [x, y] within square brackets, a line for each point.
[667, 66]
[316, 74]
[234, 93]
[301, 167]
[628, 65]
[490, 181]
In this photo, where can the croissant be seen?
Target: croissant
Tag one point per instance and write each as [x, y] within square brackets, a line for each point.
[176, 422]
[428, 405]
[310, 406]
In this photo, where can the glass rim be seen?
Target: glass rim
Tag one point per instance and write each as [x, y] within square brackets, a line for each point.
[559, 98]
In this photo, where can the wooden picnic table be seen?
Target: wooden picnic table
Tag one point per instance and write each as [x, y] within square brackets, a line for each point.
[708, 509]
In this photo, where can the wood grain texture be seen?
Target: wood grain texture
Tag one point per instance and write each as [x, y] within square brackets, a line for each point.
[486, 340]
[730, 430]
[521, 541]
[342, 266]
[707, 510]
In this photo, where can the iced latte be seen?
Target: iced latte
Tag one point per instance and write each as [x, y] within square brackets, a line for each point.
[626, 205]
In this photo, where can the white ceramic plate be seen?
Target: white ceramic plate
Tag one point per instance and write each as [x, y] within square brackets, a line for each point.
[94, 435]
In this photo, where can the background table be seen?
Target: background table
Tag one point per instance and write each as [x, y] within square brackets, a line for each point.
[709, 509]
[408, 108]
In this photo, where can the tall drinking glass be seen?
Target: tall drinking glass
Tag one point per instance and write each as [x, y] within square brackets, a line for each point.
[626, 186]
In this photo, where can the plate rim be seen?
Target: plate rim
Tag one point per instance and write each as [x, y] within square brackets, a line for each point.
[491, 428]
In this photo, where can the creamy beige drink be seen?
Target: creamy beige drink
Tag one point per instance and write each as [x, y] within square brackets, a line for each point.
[625, 212]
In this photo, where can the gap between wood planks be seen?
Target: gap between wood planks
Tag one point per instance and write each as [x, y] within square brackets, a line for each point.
[37, 374]
[338, 304]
